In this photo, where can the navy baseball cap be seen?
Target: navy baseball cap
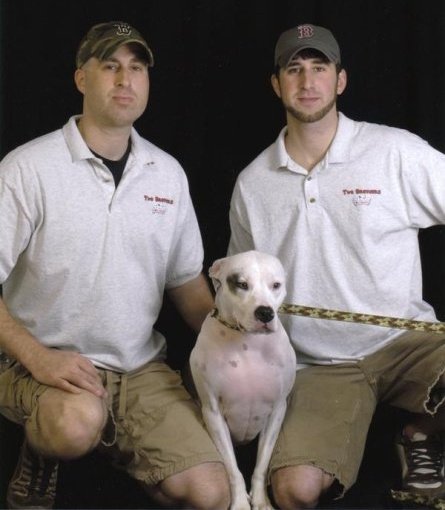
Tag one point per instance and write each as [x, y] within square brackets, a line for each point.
[303, 37]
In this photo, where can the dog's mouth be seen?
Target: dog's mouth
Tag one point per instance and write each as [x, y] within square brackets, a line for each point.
[257, 327]
[259, 323]
[263, 327]
[252, 325]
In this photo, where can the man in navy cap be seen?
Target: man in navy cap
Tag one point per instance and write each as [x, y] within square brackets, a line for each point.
[340, 203]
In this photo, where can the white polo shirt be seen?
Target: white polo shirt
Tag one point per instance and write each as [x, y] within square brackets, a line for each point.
[346, 232]
[84, 264]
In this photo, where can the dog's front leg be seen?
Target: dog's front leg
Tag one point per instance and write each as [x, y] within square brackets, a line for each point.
[219, 432]
[266, 443]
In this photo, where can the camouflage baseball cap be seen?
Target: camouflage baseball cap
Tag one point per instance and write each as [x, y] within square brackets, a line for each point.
[103, 39]
[303, 37]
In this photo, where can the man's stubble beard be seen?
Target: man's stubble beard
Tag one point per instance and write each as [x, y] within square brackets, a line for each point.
[311, 117]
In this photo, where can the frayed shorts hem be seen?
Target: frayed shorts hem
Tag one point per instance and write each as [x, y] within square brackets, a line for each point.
[157, 475]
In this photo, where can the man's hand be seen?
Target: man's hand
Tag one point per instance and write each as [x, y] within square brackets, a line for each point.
[68, 371]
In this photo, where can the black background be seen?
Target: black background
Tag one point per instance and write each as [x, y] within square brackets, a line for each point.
[211, 103]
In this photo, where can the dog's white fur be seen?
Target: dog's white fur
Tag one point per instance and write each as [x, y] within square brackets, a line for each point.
[244, 375]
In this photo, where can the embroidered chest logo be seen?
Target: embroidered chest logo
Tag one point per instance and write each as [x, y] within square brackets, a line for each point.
[361, 197]
[159, 204]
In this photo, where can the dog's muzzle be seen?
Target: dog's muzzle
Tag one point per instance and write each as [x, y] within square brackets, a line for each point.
[264, 314]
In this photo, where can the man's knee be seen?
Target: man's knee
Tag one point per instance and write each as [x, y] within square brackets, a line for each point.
[299, 486]
[67, 426]
[204, 486]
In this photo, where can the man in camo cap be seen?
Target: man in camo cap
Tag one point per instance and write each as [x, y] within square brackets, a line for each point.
[103, 39]
[96, 223]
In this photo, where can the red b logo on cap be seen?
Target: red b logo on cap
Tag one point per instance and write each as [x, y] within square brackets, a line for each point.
[305, 31]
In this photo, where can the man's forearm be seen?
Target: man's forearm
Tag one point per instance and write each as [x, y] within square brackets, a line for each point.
[15, 340]
[193, 300]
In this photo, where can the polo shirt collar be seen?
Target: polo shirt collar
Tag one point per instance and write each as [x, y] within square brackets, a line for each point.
[341, 146]
[279, 155]
[79, 150]
[338, 152]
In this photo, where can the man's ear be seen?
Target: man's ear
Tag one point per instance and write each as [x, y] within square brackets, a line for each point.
[79, 80]
[341, 81]
[276, 84]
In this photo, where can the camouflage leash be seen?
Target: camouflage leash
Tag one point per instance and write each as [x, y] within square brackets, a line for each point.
[420, 500]
[362, 318]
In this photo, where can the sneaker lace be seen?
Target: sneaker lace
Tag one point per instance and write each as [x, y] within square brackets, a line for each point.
[425, 461]
[45, 479]
[38, 476]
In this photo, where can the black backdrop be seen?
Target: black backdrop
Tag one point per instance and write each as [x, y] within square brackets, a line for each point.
[211, 104]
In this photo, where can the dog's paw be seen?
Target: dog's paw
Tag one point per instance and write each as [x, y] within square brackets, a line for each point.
[263, 505]
[260, 501]
[240, 502]
[240, 506]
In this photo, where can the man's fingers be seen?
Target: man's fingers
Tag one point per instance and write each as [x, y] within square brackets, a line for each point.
[65, 385]
[91, 381]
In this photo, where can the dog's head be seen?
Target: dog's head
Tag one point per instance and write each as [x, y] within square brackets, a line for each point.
[250, 287]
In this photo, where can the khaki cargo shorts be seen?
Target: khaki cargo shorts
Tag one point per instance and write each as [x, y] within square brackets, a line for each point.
[331, 407]
[154, 428]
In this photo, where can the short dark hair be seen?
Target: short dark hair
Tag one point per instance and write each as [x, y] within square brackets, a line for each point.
[311, 53]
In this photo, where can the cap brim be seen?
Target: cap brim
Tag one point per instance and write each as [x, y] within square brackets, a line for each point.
[110, 50]
[286, 57]
[104, 51]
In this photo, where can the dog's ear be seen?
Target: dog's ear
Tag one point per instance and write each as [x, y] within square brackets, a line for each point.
[215, 273]
[215, 269]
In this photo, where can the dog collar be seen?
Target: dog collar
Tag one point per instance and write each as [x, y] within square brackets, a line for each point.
[215, 315]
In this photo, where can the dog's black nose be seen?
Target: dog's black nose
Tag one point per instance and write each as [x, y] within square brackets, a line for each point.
[264, 314]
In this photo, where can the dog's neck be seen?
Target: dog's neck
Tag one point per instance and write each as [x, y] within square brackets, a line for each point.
[215, 314]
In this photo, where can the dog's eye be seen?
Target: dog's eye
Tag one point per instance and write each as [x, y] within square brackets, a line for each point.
[242, 285]
[276, 285]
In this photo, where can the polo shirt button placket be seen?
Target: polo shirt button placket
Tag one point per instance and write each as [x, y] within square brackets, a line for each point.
[311, 191]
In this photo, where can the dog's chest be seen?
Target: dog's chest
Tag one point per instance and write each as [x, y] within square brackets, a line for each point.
[249, 387]
[248, 375]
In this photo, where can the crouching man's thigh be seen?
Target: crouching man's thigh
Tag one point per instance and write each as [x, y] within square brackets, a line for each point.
[323, 435]
[158, 437]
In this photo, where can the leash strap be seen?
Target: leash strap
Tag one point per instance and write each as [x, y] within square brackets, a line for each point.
[412, 498]
[362, 318]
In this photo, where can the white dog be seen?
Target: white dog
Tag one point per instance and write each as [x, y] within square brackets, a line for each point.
[243, 366]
